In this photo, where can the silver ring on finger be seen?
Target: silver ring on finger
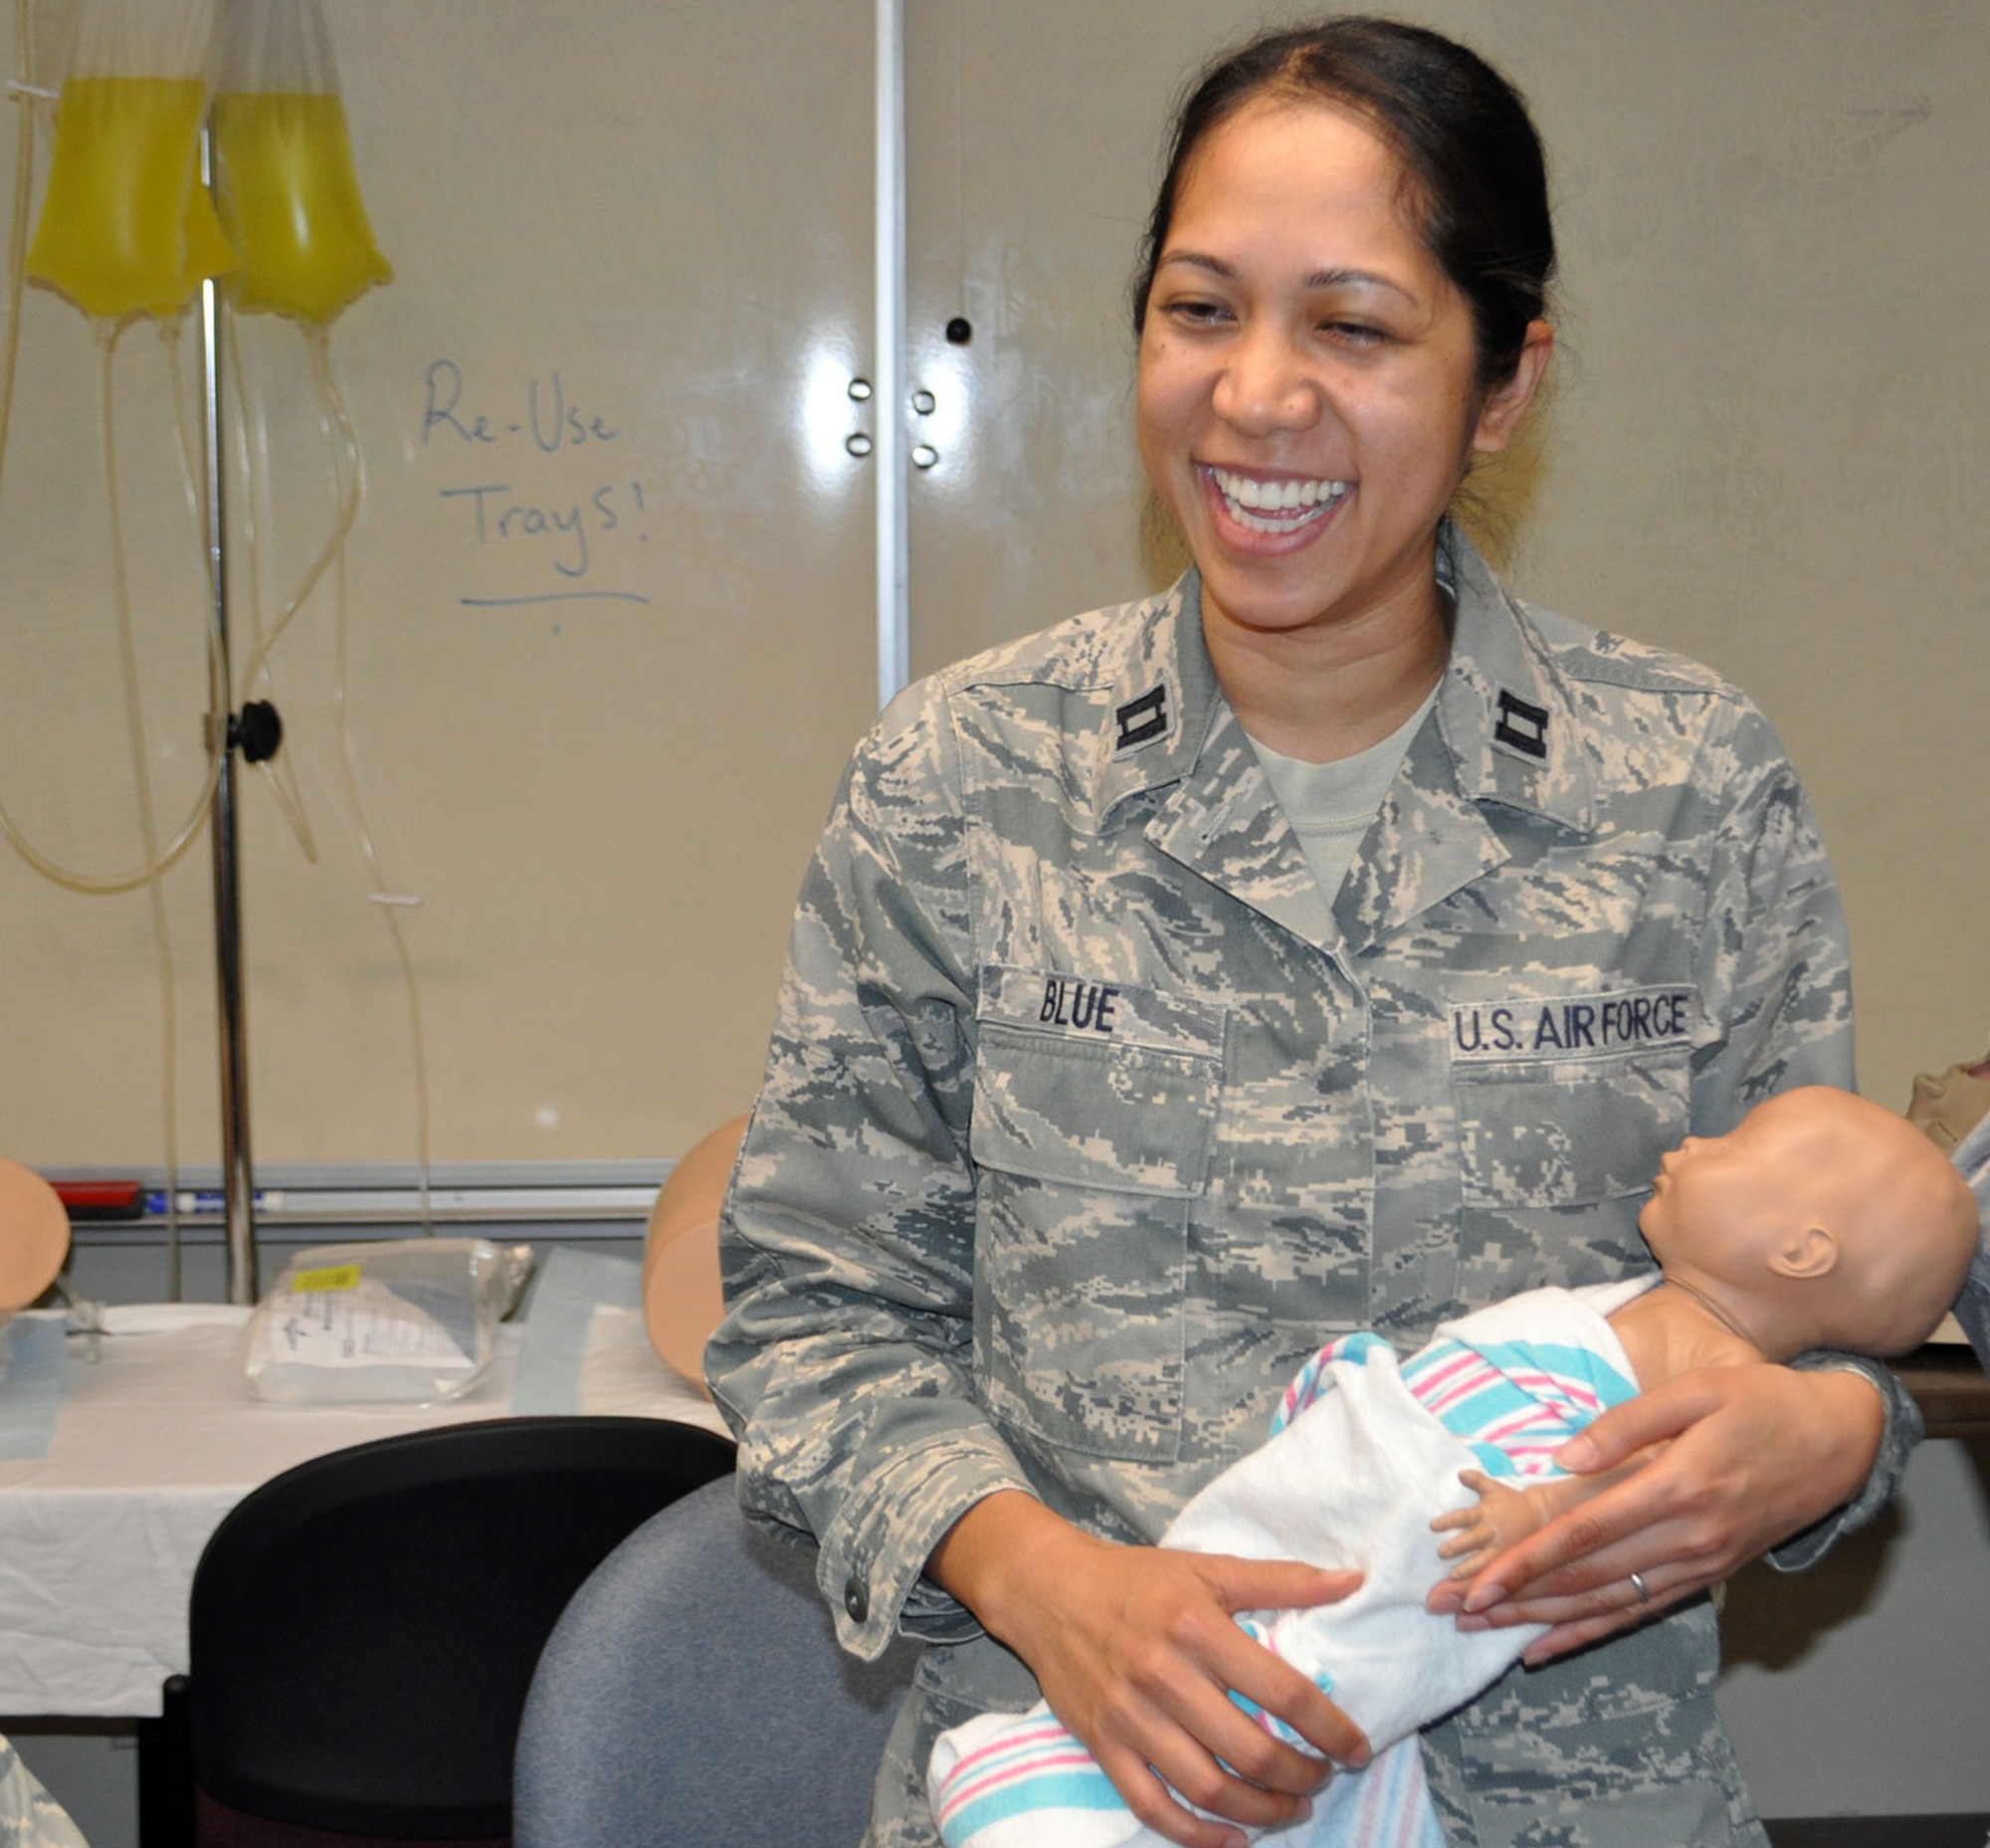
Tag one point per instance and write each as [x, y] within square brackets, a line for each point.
[1643, 1590]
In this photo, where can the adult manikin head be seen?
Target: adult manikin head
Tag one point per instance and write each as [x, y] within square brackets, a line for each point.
[34, 1236]
[1822, 1220]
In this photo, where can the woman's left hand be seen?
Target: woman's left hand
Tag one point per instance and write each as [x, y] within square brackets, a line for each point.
[1751, 1455]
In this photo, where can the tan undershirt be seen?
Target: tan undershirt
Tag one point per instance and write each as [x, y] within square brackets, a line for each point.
[1331, 805]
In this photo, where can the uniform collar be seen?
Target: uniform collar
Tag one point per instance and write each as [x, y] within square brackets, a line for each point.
[1505, 711]
[1162, 702]
[1503, 736]
[1505, 714]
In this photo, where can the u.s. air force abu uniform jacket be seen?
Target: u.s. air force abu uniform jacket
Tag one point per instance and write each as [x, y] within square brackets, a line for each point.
[1088, 1115]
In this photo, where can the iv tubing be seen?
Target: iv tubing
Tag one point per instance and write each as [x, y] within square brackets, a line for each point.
[348, 511]
[347, 457]
[349, 478]
[134, 713]
[17, 236]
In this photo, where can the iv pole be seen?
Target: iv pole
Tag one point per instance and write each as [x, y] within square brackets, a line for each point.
[252, 732]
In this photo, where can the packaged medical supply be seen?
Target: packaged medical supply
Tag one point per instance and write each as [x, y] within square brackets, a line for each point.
[400, 1319]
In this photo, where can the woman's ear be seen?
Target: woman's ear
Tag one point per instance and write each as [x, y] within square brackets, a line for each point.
[1807, 1253]
[1499, 416]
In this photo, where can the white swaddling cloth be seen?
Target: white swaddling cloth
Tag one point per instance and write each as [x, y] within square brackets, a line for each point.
[1352, 1479]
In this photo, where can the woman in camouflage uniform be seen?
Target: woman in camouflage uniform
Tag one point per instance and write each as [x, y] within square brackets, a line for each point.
[1329, 942]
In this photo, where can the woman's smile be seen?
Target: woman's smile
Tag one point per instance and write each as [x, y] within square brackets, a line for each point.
[1286, 506]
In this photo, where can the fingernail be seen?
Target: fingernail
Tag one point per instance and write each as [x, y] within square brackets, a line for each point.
[1577, 1455]
[1485, 1598]
[1473, 1626]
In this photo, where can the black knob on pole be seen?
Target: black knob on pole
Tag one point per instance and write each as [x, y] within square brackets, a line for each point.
[256, 731]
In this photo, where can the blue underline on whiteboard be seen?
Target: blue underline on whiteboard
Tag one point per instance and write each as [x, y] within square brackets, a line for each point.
[555, 596]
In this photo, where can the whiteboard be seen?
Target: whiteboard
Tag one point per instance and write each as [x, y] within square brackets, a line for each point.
[632, 249]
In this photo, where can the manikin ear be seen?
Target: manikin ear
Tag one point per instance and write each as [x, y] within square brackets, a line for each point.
[1807, 1253]
[1499, 416]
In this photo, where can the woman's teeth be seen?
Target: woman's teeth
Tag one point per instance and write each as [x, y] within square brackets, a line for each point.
[1275, 506]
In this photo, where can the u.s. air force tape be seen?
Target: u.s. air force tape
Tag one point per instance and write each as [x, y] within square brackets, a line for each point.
[1571, 1026]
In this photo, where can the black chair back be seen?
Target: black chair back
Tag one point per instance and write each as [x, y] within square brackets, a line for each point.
[365, 1627]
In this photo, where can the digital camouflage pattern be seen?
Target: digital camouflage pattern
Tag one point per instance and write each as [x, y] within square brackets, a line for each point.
[1088, 1117]
[29, 1817]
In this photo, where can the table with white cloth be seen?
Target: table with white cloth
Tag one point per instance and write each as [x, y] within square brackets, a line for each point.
[158, 1436]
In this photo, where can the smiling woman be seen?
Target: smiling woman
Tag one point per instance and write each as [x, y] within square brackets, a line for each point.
[1309, 398]
[1427, 923]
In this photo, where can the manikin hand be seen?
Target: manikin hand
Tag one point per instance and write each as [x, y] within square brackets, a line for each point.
[1505, 1514]
[1753, 1455]
[1503, 1517]
[1137, 1652]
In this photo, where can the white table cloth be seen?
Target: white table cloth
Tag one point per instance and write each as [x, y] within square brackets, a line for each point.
[155, 1442]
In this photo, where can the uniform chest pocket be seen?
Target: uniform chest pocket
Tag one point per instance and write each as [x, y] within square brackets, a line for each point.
[1124, 1117]
[1091, 1141]
[1569, 1100]
[1096, 1084]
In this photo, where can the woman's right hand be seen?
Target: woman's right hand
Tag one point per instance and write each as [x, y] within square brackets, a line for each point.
[1137, 1651]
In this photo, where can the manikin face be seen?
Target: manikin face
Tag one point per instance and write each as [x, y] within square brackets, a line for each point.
[1713, 1192]
[1308, 395]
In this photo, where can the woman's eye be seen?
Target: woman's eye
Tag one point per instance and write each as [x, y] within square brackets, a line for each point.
[1196, 314]
[1354, 333]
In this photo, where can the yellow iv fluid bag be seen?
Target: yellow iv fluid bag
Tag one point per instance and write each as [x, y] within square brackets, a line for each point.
[289, 200]
[126, 227]
[283, 175]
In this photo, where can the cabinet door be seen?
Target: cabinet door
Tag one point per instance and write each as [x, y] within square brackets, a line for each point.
[1034, 130]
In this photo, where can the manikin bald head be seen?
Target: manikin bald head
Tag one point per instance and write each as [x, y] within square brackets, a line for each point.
[1822, 1220]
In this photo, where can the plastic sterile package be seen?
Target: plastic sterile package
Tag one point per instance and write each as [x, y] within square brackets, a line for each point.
[398, 1320]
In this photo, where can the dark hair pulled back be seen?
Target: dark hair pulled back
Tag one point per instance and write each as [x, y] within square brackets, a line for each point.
[1478, 182]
